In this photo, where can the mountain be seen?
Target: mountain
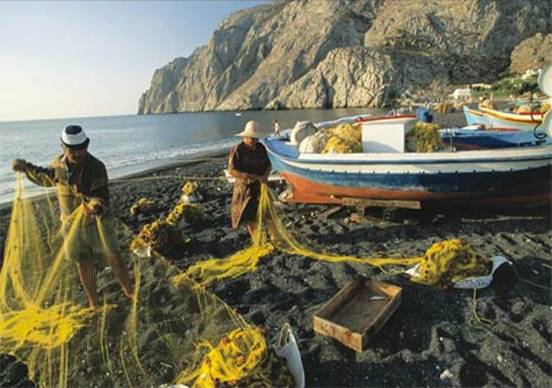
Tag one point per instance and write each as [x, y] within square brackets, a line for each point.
[344, 53]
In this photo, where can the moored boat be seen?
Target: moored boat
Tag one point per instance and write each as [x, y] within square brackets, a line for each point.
[491, 118]
[514, 176]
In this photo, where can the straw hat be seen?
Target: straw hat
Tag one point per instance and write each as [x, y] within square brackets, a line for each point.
[251, 130]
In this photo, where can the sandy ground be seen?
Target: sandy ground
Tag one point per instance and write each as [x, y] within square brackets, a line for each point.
[433, 331]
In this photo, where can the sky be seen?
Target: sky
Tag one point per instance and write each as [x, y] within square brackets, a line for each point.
[94, 58]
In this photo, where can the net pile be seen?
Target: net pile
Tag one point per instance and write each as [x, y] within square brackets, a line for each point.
[270, 234]
[449, 261]
[344, 139]
[424, 137]
[166, 335]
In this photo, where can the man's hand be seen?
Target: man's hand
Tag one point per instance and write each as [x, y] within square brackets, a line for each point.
[19, 165]
[92, 208]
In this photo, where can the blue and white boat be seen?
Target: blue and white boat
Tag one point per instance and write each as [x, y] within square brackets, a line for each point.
[519, 175]
[490, 118]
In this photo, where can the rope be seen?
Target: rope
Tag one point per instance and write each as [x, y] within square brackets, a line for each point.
[483, 321]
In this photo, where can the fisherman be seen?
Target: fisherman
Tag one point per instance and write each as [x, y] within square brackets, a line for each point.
[81, 180]
[248, 163]
[276, 127]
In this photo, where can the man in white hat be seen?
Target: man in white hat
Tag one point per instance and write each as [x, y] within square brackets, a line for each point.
[248, 163]
[81, 180]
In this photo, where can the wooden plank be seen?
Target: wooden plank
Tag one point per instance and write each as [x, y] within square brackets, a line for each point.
[343, 334]
[330, 212]
[388, 289]
[395, 203]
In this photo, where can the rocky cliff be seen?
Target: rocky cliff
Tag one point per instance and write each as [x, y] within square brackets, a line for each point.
[532, 53]
[344, 53]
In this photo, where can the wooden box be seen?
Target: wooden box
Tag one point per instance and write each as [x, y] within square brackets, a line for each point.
[356, 313]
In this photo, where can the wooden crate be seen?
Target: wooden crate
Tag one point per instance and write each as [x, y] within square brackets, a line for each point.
[356, 313]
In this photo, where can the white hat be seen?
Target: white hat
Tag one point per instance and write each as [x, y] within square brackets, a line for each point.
[251, 130]
[73, 136]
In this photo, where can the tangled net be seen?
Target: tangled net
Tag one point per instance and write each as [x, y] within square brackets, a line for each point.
[270, 234]
[166, 335]
[425, 137]
[344, 139]
[449, 261]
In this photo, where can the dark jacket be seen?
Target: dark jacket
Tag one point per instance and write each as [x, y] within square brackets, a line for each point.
[85, 183]
[245, 198]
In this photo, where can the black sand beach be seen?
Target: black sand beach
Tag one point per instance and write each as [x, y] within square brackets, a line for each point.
[433, 339]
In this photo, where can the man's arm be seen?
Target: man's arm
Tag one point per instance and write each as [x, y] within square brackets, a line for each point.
[264, 178]
[38, 175]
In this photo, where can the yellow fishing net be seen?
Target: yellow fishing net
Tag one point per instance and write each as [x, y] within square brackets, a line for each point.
[345, 138]
[270, 234]
[425, 137]
[163, 235]
[449, 261]
[143, 205]
[164, 335]
[172, 331]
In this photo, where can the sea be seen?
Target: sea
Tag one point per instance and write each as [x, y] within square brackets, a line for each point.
[135, 143]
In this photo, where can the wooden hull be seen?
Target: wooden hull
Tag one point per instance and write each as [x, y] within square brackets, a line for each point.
[306, 191]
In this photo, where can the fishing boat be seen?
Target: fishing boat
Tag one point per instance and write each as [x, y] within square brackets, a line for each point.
[385, 174]
[490, 118]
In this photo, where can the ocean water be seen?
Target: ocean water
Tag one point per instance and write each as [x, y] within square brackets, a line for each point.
[130, 144]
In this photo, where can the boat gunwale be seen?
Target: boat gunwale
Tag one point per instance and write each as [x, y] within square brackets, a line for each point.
[511, 116]
[536, 153]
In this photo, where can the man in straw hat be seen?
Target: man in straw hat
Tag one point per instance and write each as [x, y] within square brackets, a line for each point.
[249, 164]
[81, 180]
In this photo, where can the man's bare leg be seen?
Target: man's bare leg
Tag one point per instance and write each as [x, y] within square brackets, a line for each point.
[87, 275]
[121, 273]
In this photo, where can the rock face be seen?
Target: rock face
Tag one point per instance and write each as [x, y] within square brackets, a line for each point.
[532, 53]
[345, 53]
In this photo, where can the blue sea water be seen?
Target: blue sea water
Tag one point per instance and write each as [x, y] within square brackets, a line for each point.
[130, 144]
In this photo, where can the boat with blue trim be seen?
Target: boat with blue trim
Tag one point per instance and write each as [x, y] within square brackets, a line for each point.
[490, 118]
[519, 175]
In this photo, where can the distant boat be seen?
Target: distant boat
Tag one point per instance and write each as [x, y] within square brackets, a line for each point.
[237, 114]
[514, 176]
[491, 118]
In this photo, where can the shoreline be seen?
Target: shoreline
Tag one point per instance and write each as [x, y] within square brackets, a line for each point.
[196, 158]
